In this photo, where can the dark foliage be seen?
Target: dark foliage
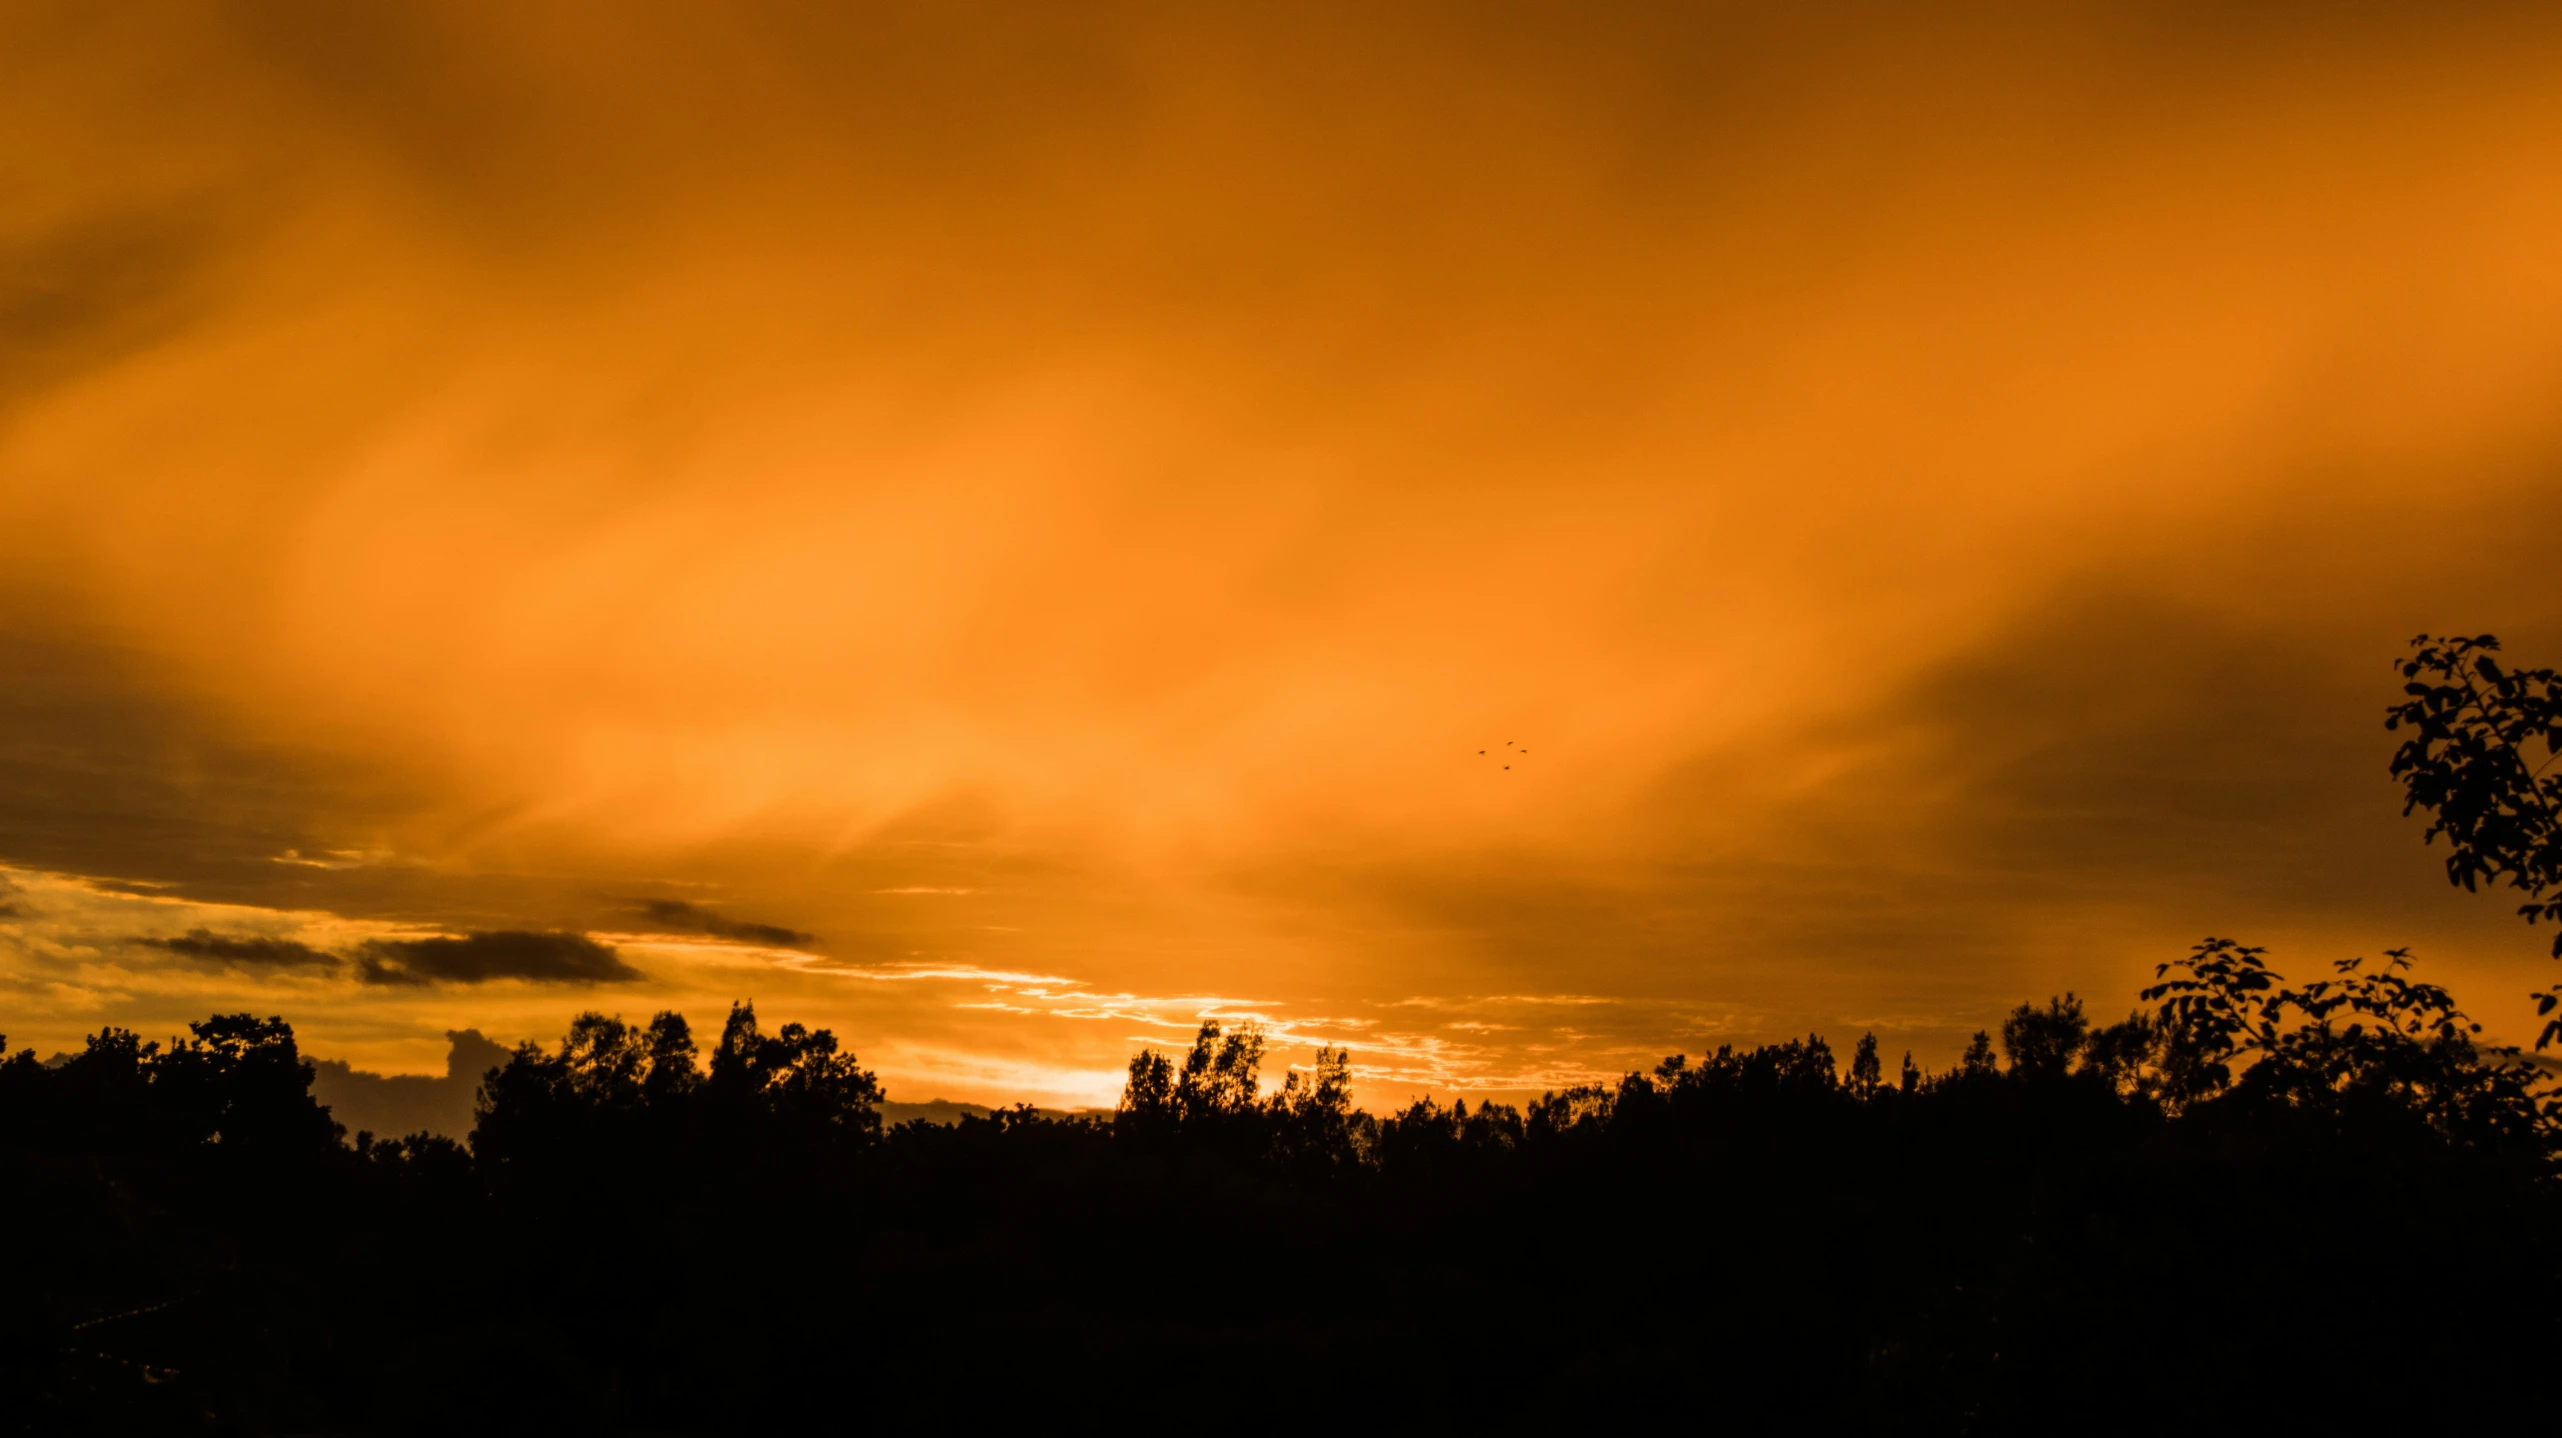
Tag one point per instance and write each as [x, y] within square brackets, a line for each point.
[2250, 1206]
[2470, 759]
[2186, 1221]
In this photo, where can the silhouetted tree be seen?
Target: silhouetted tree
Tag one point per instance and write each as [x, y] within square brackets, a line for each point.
[2366, 1037]
[1217, 1081]
[243, 1081]
[1315, 1126]
[1427, 1142]
[2057, 1250]
[102, 1100]
[669, 1065]
[579, 1261]
[1212, 1096]
[2470, 760]
[1978, 1061]
[1584, 1110]
[2125, 1055]
[1865, 1071]
[1147, 1101]
[796, 1075]
[2043, 1043]
[2223, 1003]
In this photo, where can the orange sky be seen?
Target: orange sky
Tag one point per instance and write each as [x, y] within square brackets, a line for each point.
[1051, 502]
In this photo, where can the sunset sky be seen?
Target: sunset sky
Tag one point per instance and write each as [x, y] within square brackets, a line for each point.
[1004, 530]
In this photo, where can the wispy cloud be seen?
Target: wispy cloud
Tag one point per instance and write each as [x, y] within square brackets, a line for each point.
[690, 917]
[542, 958]
[332, 860]
[243, 951]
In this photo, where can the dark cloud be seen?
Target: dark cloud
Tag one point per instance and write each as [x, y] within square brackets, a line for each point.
[392, 1105]
[2157, 748]
[545, 958]
[2132, 763]
[114, 767]
[250, 953]
[111, 765]
[87, 292]
[695, 919]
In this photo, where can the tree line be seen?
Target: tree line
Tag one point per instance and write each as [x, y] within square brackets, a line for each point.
[2254, 1201]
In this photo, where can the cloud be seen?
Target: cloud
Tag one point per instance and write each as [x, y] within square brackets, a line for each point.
[112, 765]
[92, 290]
[255, 952]
[544, 958]
[695, 919]
[396, 1104]
[1065, 464]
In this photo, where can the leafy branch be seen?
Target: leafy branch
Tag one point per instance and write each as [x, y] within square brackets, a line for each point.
[2470, 722]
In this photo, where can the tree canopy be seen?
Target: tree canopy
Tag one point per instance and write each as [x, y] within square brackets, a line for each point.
[2251, 1203]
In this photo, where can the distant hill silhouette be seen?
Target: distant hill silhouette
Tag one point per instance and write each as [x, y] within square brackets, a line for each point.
[936, 1111]
[946, 1112]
